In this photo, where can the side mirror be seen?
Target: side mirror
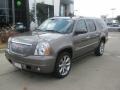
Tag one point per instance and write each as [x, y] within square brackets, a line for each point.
[81, 31]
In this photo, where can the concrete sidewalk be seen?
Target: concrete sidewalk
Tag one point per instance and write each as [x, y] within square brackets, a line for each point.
[2, 50]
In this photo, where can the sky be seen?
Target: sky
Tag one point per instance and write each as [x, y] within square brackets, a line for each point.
[95, 8]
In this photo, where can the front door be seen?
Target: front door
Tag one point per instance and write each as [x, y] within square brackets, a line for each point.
[80, 40]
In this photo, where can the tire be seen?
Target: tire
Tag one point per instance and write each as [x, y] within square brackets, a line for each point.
[100, 49]
[118, 30]
[63, 65]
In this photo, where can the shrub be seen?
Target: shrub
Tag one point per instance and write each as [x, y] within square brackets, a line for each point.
[6, 32]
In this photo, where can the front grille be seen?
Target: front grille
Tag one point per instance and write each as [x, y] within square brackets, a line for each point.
[20, 48]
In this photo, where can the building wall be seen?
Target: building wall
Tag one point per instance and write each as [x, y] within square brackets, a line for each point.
[63, 7]
[49, 2]
[22, 13]
[10, 15]
[4, 11]
[59, 5]
[56, 7]
[44, 11]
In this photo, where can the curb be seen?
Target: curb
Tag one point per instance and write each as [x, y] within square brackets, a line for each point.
[2, 50]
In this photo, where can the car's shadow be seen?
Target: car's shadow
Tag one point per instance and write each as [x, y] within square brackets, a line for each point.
[38, 77]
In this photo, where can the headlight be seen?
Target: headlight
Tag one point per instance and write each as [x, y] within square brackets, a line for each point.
[42, 49]
[9, 40]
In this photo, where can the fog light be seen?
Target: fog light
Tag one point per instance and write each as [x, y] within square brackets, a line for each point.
[38, 68]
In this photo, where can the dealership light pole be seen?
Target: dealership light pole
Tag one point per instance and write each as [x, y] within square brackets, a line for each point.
[35, 14]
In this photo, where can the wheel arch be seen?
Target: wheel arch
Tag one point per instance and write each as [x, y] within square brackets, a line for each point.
[66, 49]
[103, 39]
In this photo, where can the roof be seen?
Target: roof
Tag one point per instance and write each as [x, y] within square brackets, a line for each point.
[75, 18]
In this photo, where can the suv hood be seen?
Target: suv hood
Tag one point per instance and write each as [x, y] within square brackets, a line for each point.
[32, 37]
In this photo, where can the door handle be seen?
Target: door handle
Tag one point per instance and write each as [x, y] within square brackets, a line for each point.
[88, 37]
[96, 34]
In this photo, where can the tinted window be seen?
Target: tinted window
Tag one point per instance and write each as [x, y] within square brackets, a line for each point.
[100, 24]
[81, 25]
[90, 25]
[2, 3]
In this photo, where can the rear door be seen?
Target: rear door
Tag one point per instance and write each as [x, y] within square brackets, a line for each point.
[94, 34]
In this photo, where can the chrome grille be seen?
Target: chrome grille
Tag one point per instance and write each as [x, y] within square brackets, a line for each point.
[20, 48]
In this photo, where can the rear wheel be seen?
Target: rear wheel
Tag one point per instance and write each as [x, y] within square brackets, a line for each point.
[63, 65]
[100, 49]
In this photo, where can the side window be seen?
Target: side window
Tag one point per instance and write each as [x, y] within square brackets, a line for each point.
[81, 25]
[90, 25]
[100, 24]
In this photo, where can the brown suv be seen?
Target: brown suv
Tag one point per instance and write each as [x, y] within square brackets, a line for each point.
[56, 43]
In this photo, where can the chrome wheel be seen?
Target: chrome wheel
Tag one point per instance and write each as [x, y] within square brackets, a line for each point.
[64, 65]
[102, 45]
[100, 49]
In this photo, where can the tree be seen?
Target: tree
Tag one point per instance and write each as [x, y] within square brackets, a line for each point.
[42, 12]
[32, 11]
[118, 18]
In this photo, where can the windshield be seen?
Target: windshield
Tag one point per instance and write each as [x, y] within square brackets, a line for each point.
[56, 25]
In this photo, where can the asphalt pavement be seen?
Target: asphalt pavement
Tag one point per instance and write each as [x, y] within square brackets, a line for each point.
[89, 73]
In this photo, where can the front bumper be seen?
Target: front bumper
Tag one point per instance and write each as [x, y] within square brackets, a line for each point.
[32, 63]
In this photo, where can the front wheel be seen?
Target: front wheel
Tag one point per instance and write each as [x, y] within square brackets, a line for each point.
[100, 49]
[63, 65]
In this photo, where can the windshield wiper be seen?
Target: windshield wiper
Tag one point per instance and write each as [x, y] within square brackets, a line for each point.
[52, 31]
[37, 29]
[46, 30]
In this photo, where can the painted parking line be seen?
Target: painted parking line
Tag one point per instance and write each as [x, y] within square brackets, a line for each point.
[110, 54]
[107, 54]
[118, 56]
[112, 37]
[109, 37]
